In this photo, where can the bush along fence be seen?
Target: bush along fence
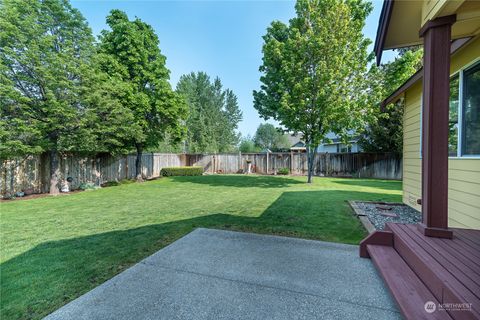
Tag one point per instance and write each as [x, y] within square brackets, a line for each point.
[31, 174]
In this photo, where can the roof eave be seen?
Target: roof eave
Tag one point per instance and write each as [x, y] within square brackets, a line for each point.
[454, 47]
[383, 23]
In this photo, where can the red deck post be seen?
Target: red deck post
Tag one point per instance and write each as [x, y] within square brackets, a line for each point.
[436, 92]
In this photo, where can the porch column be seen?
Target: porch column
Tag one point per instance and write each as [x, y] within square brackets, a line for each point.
[436, 92]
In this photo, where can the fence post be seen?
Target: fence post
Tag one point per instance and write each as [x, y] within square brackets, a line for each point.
[239, 161]
[363, 165]
[213, 168]
[266, 170]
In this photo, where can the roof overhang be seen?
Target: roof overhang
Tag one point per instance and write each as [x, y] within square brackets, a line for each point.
[383, 23]
[401, 20]
[455, 46]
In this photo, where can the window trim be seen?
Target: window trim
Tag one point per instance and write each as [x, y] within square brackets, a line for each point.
[460, 72]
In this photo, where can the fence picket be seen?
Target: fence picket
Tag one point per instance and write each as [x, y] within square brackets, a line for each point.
[32, 173]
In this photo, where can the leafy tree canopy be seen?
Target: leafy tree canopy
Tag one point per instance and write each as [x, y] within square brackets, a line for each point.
[52, 98]
[129, 52]
[214, 114]
[45, 51]
[314, 70]
[269, 137]
[384, 132]
[247, 145]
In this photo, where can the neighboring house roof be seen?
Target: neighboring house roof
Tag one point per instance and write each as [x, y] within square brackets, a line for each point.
[339, 140]
[299, 144]
[293, 139]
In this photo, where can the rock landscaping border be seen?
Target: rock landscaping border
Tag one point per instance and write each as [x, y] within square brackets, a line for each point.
[374, 214]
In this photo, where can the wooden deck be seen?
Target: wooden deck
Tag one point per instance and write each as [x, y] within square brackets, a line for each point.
[418, 269]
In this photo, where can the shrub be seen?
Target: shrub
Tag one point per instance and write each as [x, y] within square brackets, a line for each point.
[88, 186]
[114, 183]
[110, 184]
[181, 171]
[283, 171]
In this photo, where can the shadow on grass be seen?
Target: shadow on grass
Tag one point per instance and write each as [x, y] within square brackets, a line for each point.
[37, 282]
[373, 183]
[241, 181]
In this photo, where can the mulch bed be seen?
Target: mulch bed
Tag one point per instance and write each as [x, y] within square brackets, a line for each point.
[38, 195]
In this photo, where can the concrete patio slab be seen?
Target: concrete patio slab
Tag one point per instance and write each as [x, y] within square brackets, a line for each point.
[214, 274]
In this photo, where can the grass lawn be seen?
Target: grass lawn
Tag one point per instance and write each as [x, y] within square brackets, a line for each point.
[54, 249]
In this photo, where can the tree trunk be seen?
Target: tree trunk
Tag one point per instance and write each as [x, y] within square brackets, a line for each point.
[54, 173]
[310, 160]
[138, 164]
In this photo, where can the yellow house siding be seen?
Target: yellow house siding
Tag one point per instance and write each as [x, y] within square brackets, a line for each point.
[466, 55]
[464, 173]
[412, 165]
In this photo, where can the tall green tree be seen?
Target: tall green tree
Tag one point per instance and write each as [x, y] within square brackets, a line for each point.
[45, 52]
[247, 145]
[384, 132]
[269, 137]
[130, 52]
[214, 114]
[313, 71]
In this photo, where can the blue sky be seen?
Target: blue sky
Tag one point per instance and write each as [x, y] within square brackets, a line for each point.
[222, 38]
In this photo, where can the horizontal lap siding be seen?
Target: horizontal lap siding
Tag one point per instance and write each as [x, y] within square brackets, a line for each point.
[464, 174]
[411, 148]
[464, 192]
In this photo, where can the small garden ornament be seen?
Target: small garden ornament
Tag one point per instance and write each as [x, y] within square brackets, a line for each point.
[249, 166]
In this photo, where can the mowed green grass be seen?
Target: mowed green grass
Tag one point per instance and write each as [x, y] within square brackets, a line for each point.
[54, 249]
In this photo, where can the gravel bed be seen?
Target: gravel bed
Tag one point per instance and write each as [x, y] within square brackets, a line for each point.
[378, 217]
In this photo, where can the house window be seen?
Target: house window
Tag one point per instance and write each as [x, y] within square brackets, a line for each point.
[471, 111]
[343, 148]
[464, 113]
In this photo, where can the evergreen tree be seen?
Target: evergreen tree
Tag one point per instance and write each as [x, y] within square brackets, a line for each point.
[214, 114]
[269, 137]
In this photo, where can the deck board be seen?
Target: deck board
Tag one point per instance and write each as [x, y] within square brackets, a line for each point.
[456, 268]
[457, 246]
[449, 267]
[464, 246]
[469, 237]
[459, 256]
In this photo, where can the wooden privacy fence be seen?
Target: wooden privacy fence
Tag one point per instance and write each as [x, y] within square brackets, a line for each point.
[32, 173]
[357, 165]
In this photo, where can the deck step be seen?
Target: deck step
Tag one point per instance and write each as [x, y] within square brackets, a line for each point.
[408, 290]
[449, 280]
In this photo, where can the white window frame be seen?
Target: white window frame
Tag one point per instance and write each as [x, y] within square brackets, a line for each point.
[460, 73]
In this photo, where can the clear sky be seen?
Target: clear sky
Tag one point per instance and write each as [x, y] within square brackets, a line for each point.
[222, 38]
